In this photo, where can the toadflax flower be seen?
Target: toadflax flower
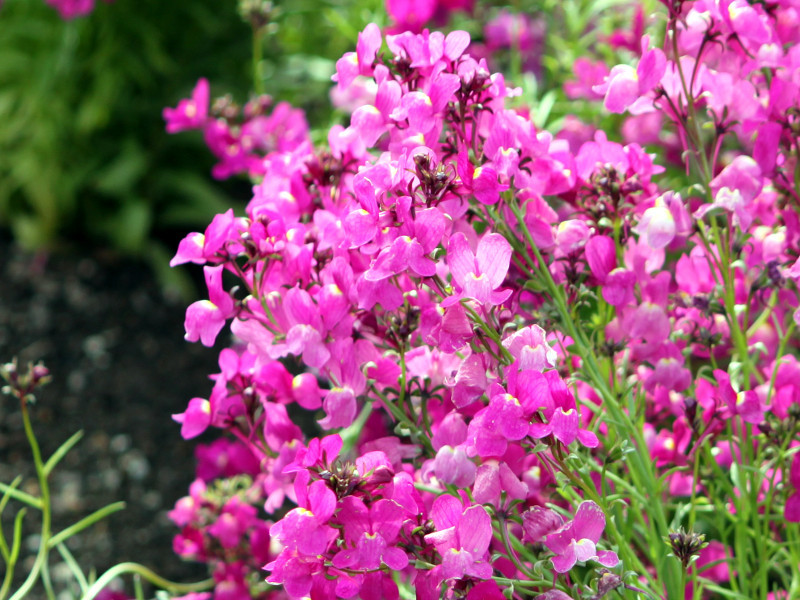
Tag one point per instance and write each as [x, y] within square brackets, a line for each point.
[478, 274]
[462, 537]
[206, 318]
[576, 540]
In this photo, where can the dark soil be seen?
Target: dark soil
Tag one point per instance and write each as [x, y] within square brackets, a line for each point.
[114, 345]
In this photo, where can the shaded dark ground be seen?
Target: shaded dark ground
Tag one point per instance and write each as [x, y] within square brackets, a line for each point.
[114, 345]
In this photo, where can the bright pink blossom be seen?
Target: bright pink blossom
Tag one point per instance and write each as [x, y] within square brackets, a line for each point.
[206, 318]
[478, 274]
[576, 540]
[191, 113]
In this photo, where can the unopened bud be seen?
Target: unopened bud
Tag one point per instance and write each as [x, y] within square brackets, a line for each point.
[686, 545]
[22, 385]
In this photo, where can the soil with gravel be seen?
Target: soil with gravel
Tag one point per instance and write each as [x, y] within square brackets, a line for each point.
[120, 366]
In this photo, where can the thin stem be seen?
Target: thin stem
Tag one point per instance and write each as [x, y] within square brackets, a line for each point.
[41, 557]
[258, 55]
[509, 550]
[145, 573]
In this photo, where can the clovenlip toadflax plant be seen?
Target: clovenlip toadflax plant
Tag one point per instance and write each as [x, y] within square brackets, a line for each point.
[528, 362]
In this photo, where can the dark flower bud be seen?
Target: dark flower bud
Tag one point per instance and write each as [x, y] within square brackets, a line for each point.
[608, 582]
[21, 385]
[686, 545]
[690, 410]
[256, 12]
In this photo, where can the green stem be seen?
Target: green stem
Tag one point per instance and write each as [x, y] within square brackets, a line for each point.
[74, 567]
[258, 55]
[403, 418]
[41, 557]
[16, 543]
[509, 550]
[144, 572]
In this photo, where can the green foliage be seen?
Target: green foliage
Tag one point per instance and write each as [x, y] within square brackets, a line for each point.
[83, 153]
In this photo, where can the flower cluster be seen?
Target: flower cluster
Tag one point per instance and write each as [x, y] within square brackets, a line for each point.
[239, 137]
[220, 527]
[513, 340]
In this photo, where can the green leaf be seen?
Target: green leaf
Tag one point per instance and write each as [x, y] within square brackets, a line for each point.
[74, 567]
[84, 523]
[63, 449]
[543, 109]
[12, 492]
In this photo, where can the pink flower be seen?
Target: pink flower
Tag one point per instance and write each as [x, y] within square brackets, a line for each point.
[359, 62]
[453, 466]
[626, 88]
[530, 349]
[481, 182]
[746, 404]
[478, 275]
[214, 245]
[195, 419]
[564, 425]
[660, 223]
[305, 530]
[369, 535]
[493, 427]
[462, 538]
[735, 190]
[589, 76]
[191, 113]
[69, 9]
[410, 15]
[576, 540]
[205, 318]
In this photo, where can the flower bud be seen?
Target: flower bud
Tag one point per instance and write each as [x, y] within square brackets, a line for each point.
[686, 545]
[22, 385]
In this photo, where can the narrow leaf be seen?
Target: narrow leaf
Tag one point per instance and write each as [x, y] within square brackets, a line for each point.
[84, 523]
[62, 451]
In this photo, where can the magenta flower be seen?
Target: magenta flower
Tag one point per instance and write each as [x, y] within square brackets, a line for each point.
[353, 64]
[233, 522]
[453, 466]
[493, 427]
[627, 88]
[410, 15]
[530, 349]
[69, 9]
[589, 74]
[481, 181]
[407, 253]
[564, 425]
[735, 190]
[206, 318]
[478, 275]
[462, 538]
[576, 540]
[305, 530]
[214, 245]
[370, 534]
[746, 404]
[494, 482]
[195, 419]
[600, 253]
[191, 113]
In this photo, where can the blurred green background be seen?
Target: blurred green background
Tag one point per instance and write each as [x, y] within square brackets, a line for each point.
[84, 157]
